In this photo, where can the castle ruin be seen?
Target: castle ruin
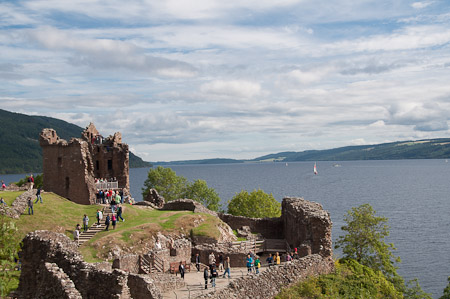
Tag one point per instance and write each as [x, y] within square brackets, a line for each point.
[70, 168]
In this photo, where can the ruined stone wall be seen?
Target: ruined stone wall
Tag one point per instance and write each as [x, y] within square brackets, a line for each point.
[58, 284]
[269, 228]
[237, 258]
[270, 282]
[70, 168]
[41, 247]
[187, 205]
[19, 205]
[307, 226]
[128, 263]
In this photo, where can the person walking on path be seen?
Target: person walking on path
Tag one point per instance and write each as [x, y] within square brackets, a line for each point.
[119, 213]
[269, 260]
[38, 195]
[181, 269]
[206, 277]
[277, 259]
[107, 222]
[99, 217]
[30, 206]
[197, 262]
[213, 276]
[227, 266]
[257, 264]
[211, 260]
[249, 263]
[85, 223]
[76, 235]
[113, 221]
[220, 262]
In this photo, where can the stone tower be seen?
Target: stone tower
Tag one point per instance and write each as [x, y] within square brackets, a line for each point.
[70, 168]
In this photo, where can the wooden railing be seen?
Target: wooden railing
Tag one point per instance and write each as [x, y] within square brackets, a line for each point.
[158, 263]
[145, 265]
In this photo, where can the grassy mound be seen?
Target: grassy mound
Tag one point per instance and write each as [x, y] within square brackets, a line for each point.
[132, 236]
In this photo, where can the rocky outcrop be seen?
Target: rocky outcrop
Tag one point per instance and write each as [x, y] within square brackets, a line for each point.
[154, 198]
[187, 205]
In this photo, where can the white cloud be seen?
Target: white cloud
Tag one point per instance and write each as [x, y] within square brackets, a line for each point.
[234, 88]
[422, 4]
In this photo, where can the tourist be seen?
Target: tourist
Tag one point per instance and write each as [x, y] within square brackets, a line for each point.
[3, 186]
[76, 235]
[158, 245]
[197, 262]
[181, 269]
[119, 213]
[213, 276]
[206, 277]
[212, 260]
[121, 196]
[31, 182]
[85, 223]
[288, 257]
[99, 217]
[118, 198]
[38, 195]
[2, 202]
[277, 258]
[30, 206]
[220, 262]
[113, 205]
[269, 260]
[113, 221]
[249, 263]
[227, 266]
[295, 256]
[103, 196]
[107, 222]
[257, 264]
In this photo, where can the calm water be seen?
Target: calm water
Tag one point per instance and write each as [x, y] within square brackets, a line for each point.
[413, 194]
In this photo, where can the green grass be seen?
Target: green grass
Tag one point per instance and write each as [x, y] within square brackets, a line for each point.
[9, 197]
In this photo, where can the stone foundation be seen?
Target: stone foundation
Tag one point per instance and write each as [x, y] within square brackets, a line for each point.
[54, 256]
[19, 206]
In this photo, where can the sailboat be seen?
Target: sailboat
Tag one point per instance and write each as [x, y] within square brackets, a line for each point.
[315, 168]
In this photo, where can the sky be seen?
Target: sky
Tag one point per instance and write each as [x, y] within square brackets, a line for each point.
[184, 80]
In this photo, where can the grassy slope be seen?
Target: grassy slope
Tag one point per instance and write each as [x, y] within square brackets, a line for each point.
[61, 215]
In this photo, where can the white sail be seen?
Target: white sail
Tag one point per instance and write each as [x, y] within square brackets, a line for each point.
[315, 169]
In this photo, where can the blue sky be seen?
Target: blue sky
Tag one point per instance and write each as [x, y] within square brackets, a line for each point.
[232, 79]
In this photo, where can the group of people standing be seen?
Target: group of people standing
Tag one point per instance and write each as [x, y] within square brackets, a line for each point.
[108, 196]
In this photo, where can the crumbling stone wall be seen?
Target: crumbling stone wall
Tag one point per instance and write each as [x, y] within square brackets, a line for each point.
[18, 206]
[57, 283]
[269, 228]
[70, 168]
[41, 247]
[128, 263]
[270, 282]
[187, 205]
[307, 226]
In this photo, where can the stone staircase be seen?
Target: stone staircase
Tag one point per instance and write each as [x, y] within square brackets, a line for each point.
[94, 228]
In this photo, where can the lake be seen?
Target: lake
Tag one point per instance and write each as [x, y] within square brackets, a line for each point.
[413, 194]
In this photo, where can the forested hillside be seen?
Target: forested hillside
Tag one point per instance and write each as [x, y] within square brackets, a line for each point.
[19, 141]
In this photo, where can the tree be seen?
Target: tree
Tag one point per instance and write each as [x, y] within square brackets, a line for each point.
[446, 294]
[199, 191]
[257, 204]
[364, 242]
[166, 182]
[9, 246]
[171, 187]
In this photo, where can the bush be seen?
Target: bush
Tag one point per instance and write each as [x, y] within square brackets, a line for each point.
[257, 204]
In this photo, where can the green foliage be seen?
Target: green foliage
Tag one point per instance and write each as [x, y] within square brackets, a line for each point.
[9, 246]
[257, 204]
[171, 187]
[350, 280]
[446, 294]
[199, 191]
[414, 291]
[364, 242]
[38, 181]
[166, 182]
